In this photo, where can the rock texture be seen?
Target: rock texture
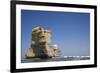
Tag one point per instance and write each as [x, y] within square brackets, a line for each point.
[40, 45]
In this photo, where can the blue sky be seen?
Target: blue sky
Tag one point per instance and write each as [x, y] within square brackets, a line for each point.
[70, 30]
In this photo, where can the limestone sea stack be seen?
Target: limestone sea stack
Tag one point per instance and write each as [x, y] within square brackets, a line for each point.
[40, 45]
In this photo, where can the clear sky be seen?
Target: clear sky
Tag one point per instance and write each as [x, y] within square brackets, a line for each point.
[70, 30]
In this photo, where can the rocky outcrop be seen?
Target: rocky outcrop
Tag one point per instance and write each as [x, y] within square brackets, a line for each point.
[40, 45]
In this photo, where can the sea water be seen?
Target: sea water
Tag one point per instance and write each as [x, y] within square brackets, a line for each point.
[25, 60]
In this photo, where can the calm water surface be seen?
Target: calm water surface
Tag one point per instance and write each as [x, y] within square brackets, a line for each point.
[54, 59]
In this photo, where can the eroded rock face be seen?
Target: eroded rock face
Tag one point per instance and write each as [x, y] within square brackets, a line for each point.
[30, 53]
[40, 44]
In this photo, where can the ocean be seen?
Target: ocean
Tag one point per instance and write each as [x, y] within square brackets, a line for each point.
[25, 60]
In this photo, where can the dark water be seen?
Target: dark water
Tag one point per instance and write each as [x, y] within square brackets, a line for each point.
[54, 59]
